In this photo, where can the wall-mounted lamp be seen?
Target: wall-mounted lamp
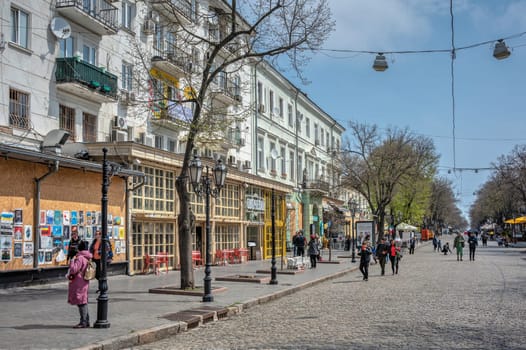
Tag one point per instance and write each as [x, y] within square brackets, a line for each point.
[380, 63]
[501, 51]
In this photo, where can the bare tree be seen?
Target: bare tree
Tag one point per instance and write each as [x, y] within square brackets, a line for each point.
[228, 38]
[377, 167]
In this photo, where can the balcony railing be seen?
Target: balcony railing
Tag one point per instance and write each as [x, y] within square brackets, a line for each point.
[73, 70]
[177, 58]
[99, 10]
[184, 7]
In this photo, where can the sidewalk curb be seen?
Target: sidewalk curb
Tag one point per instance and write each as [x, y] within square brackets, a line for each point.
[163, 331]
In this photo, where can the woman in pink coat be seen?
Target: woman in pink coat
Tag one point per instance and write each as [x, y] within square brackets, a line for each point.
[78, 286]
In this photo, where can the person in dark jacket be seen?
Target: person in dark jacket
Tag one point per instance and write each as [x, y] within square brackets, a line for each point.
[313, 251]
[365, 257]
[412, 244]
[472, 242]
[73, 245]
[381, 253]
[78, 286]
[300, 244]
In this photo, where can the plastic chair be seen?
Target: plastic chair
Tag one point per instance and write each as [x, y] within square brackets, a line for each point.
[219, 257]
[162, 258]
[148, 262]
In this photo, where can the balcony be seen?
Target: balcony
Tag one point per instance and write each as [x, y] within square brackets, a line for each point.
[85, 80]
[223, 91]
[174, 116]
[181, 7]
[320, 186]
[175, 62]
[98, 16]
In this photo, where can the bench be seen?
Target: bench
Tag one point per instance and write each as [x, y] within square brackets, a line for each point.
[298, 263]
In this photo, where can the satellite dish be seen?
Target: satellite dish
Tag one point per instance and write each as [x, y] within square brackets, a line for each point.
[274, 154]
[60, 28]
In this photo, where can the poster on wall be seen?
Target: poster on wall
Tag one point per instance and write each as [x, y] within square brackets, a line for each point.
[48, 256]
[50, 217]
[18, 233]
[45, 231]
[81, 232]
[18, 217]
[115, 234]
[27, 259]
[121, 233]
[118, 249]
[5, 247]
[41, 256]
[5, 254]
[28, 248]
[88, 232]
[56, 231]
[57, 242]
[57, 218]
[66, 232]
[81, 217]
[42, 217]
[74, 218]
[66, 217]
[6, 223]
[46, 242]
[17, 251]
[28, 233]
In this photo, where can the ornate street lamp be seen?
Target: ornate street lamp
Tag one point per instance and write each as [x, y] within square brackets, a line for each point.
[202, 184]
[353, 206]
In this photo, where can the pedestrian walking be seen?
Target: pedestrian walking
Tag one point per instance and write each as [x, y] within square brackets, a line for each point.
[435, 243]
[313, 251]
[300, 244]
[381, 253]
[484, 240]
[412, 244]
[78, 286]
[472, 242]
[394, 253]
[365, 257]
[95, 250]
[458, 244]
[439, 245]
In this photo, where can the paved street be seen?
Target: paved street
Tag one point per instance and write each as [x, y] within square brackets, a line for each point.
[434, 302]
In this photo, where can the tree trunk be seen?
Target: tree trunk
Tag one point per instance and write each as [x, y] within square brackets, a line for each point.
[185, 236]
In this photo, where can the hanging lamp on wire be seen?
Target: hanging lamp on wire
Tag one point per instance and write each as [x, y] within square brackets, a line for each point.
[501, 51]
[380, 63]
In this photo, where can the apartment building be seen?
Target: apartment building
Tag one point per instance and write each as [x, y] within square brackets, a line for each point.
[80, 76]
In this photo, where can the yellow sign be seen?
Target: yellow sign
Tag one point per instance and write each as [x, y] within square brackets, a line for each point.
[157, 74]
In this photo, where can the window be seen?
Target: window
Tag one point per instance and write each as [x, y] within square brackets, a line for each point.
[18, 109]
[227, 236]
[171, 145]
[67, 47]
[261, 153]
[260, 94]
[128, 12]
[272, 160]
[283, 162]
[89, 54]
[280, 106]
[236, 86]
[271, 101]
[127, 72]
[307, 127]
[290, 116]
[67, 120]
[159, 141]
[19, 27]
[291, 165]
[152, 238]
[89, 127]
[316, 135]
[228, 204]
[157, 194]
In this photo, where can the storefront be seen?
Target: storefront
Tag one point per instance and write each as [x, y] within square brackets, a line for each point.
[46, 198]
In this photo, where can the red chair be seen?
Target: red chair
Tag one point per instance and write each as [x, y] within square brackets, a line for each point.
[236, 256]
[148, 261]
[196, 258]
[219, 260]
[161, 258]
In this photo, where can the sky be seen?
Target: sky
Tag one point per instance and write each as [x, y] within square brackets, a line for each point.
[474, 115]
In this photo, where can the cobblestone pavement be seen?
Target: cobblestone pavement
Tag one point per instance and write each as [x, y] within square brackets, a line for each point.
[435, 302]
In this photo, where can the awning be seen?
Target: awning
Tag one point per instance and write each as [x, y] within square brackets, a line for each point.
[519, 220]
[405, 227]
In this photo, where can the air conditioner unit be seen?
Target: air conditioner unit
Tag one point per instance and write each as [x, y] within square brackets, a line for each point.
[261, 108]
[119, 136]
[120, 122]
[148, 27]
[127, 97]
[247, 165]
[148, 140]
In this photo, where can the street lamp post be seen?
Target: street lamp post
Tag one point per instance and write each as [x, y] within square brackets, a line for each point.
[202, 184]
[102, 299]
[353, 207]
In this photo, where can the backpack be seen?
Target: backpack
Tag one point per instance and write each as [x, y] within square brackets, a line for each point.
[89, 273]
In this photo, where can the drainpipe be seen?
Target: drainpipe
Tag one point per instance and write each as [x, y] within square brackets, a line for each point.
[129, 191]
[53, 168]
[256, 114]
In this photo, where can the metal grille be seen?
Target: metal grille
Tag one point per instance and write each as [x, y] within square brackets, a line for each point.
[18, 109]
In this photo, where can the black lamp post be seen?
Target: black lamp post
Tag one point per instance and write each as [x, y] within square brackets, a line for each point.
[202, 184]
[273, 272]
[102, 299]
[352, 208]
